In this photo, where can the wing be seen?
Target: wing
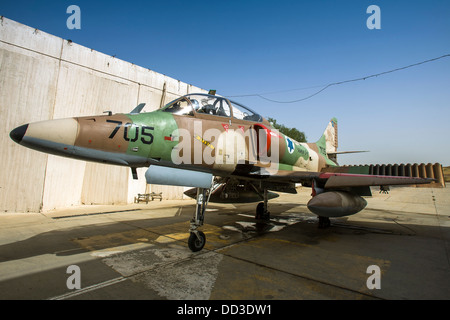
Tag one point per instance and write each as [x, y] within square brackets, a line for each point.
[338, 180]
[327, 180]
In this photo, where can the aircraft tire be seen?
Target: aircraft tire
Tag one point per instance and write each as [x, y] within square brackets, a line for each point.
[260, 210]
[196, 244]
[324, 222]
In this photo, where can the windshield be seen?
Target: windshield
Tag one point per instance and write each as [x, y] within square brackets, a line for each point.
[208, 104]
[243, 113]
[212, 105]
[180, 106]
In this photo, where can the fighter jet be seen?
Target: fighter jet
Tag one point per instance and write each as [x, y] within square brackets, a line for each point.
[225, 151]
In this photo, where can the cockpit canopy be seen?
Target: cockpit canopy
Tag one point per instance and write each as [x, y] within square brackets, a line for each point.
[199, 103]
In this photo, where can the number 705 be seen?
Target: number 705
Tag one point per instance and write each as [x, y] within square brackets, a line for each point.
[145, 132]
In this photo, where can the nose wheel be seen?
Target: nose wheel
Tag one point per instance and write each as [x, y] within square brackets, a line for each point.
[196, 241]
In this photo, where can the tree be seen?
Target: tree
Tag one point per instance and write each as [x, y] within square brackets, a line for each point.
[293, 133]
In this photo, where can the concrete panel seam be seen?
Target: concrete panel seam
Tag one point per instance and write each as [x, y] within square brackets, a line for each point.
[86, 67]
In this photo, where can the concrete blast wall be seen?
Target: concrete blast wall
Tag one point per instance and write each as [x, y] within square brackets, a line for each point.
[45, 77]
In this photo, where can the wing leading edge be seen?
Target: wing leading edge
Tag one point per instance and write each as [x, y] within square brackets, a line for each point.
[341, 180]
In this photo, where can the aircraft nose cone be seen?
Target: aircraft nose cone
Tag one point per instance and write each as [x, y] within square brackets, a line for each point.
[18, 133]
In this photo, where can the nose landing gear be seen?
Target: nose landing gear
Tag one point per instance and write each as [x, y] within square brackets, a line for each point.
[197, 239]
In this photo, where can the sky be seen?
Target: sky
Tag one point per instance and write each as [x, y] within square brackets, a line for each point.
[285, 51]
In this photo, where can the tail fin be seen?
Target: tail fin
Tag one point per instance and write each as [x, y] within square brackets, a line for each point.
[328, 142]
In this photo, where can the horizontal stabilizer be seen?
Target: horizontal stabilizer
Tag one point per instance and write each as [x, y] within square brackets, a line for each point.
[344, 152]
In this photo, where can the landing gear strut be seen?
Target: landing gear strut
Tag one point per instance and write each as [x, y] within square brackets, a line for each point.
[261, 208]
[324, 222]
[197, 239]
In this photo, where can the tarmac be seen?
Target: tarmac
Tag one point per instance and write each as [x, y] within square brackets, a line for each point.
[398, 248]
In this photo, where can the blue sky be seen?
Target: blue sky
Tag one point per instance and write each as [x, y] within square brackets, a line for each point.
[246, 47]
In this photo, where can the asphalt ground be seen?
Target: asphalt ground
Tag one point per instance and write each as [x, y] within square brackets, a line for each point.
[397, 248]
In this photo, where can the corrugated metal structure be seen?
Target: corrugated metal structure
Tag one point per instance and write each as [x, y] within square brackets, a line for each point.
[45, 77]
[422, 170]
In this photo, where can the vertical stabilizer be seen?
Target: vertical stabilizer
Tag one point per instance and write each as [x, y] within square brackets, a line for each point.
[328, 142]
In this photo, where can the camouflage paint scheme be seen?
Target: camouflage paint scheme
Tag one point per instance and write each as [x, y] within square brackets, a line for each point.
[151, 138]
[138, 140]
[198, 137]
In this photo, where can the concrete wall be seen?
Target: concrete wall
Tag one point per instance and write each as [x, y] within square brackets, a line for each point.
[45, 77]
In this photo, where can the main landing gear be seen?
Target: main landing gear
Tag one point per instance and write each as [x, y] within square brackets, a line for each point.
[261, 209]
[324, 222]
